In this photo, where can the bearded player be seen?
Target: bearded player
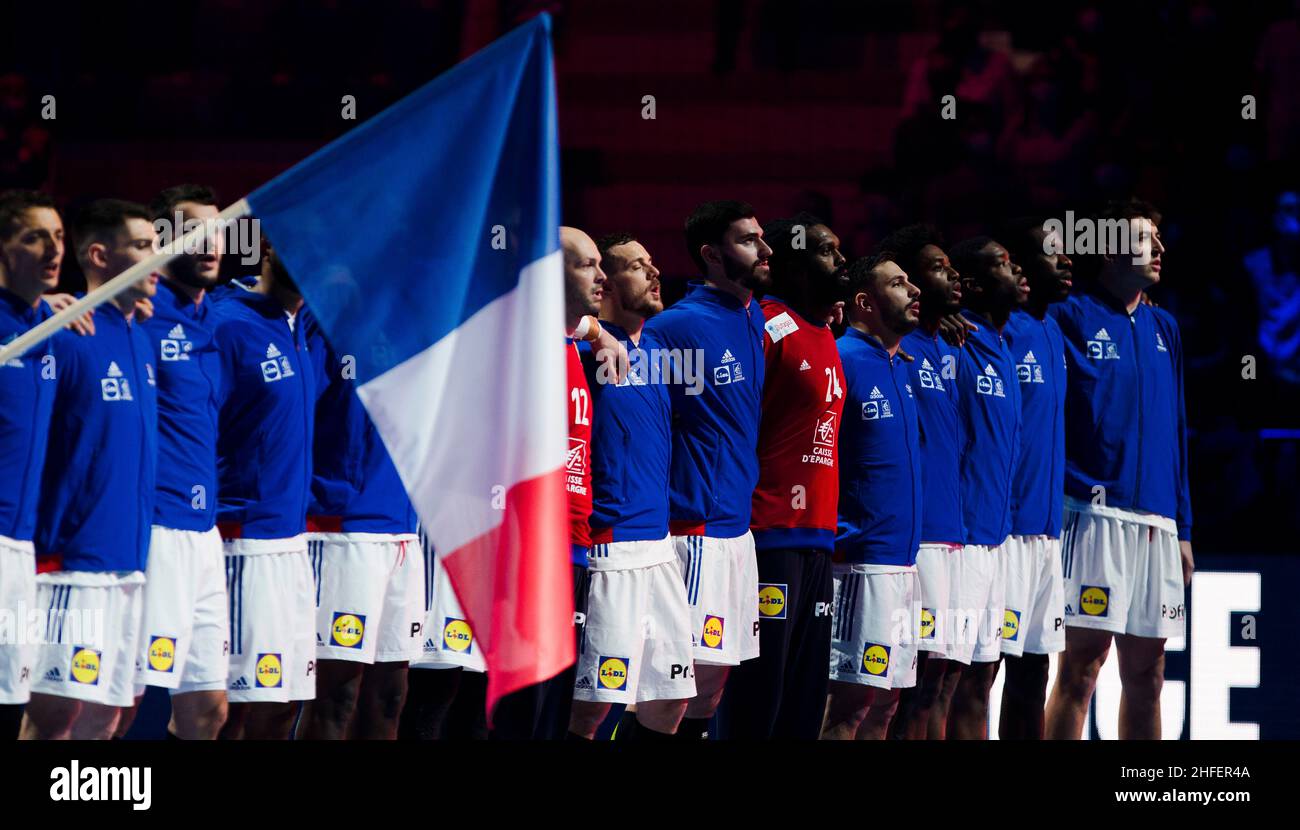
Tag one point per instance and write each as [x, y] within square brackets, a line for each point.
[714, 466]
[781, 693]
[877, 597]
[636, 644]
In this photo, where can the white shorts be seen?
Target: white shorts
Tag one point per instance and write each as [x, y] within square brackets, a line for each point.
[185, 640]
[936, 566]
[873, 637]
[1034, 619]
[978, 601]
[272, 620]
[448, 639]
[18, 597]
[92, 635]
[636, 644]
[369, 596]
[1123, 572]
[721, 578]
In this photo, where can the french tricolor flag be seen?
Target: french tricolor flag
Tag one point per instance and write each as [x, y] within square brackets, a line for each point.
[426, 242]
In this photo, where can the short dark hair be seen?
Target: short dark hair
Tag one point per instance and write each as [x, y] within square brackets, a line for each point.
[907, 242]
[1088, 266]
[860, 276]
[1130, 208]
[709, 222]
[14, 203]
[164, 204]
[101, 218]
[780, 233]
[965, 255]
[1019, 237]
[613, 240]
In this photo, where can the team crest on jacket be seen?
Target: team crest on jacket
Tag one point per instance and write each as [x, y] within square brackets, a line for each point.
[114, 387]
[1029, 370]
[930, 379]
[276, 366]
[729, 371]
[1101, 347]
[989, 383]
[175, 346]
[877, 406]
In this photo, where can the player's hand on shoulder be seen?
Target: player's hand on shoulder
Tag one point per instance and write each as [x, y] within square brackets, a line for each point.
[954, 329]
[613, 354]
[85, 324]
[143, 308]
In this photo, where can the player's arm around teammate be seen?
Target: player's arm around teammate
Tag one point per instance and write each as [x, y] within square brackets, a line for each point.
[988, 398]
[264, 445]
[718, 330]
[782, 692]
[186, 628]
[97, 494]
[636, 642]
[923, 710]
[31, 253]
[877, 593]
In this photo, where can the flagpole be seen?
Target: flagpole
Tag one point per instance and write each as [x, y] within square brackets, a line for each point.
[115, 286]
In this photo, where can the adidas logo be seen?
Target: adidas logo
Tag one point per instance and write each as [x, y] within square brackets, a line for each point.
[726, 356]
[875, 393]
[177, 332]
[113, 371]
[430, 645]
[803, 367]
[240, 685]
[54, 676]
[272, 351]
[925, 364]
[988, 370]
[584, 682]
[1101, 335]
[1029, 358]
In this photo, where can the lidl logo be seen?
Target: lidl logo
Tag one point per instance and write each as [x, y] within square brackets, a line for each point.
[712, 636]
[771, 600]
[270, 673]
[348, 630]
[875, 659]
[1010, 624]
[927, 623]
[162, 653]
[1094, 600]
[85, 666]
[457, 636]
[613, 673]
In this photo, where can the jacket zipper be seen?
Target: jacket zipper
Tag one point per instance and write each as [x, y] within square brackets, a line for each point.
[1137, 360]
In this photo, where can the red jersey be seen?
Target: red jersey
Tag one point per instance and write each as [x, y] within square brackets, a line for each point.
[795, 503]
[577, 464]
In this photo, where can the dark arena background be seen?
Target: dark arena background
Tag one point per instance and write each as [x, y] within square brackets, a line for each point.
[831, 106]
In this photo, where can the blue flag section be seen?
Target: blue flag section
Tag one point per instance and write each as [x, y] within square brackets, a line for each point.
[405, 227]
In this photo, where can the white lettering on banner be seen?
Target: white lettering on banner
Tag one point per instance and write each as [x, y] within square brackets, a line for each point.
[1217, 666]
